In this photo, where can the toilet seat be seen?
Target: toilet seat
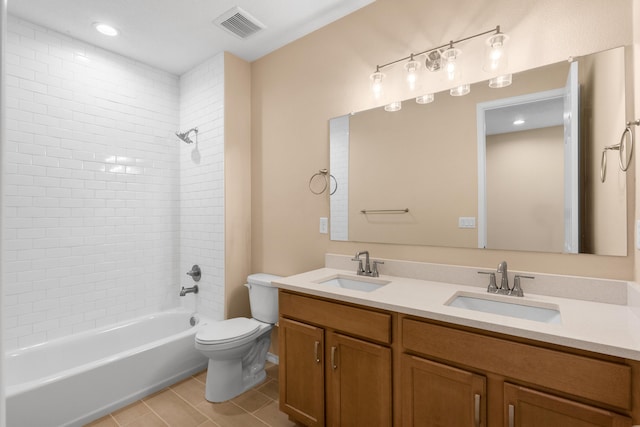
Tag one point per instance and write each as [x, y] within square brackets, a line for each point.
[227, 331]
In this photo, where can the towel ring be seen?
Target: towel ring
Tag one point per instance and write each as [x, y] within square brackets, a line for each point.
[622, 147]
[321, 180]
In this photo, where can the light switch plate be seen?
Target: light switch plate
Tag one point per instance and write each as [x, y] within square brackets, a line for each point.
[324, 225]
[467, 222]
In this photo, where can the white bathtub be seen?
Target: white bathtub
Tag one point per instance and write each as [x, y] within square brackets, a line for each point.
[76, 379]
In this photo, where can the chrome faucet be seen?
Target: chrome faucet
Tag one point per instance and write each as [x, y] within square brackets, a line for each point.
[504, 281]
[504, 289]
[366, 270]
[191, 290]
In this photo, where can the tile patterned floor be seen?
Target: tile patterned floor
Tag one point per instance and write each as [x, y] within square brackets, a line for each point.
[183, 405]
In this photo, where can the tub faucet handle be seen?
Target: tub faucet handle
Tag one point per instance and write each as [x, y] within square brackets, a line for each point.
[195, 273]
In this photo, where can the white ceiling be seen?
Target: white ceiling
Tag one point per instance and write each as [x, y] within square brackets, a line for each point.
[176, 35]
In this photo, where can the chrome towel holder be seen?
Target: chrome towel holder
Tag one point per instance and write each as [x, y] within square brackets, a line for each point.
[621, 147]
[321, 180]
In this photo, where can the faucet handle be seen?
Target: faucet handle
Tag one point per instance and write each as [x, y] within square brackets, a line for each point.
[374, 270]
[517, 289]
[195, 273]
[360, 270]
[492, 288]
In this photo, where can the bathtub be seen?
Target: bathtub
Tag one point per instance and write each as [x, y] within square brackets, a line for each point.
[74, 380]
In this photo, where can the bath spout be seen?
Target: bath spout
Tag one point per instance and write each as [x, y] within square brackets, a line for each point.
[192, 290]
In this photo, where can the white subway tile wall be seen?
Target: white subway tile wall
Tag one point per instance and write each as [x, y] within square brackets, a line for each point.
[93, 186]
[202, 183]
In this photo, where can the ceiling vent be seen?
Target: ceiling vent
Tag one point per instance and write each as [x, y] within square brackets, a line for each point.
[239, 23]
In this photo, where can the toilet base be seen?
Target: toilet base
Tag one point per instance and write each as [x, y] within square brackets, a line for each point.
[227, 379]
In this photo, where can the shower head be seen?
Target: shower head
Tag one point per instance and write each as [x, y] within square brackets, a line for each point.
[184, 136]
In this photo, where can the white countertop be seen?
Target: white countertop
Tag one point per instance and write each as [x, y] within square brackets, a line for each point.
[611, 329]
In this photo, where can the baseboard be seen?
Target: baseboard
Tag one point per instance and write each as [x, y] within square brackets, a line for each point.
[273, 358]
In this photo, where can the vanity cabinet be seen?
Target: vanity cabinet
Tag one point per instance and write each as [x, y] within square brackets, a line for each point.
[434, 394]
[530, 408]
[485, 380]
[335, 362]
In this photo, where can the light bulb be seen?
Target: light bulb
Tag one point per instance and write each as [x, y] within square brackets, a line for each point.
[450, 64]
[376, 83]
[496, 55]
[412, 68]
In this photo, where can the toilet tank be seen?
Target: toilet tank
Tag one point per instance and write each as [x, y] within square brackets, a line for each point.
[263, 297]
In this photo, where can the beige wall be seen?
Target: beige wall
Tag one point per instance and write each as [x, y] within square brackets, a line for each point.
[237, 181]
[525, 197]
[296, 89]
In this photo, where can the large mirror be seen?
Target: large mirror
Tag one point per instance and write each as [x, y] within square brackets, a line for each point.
[516, 168]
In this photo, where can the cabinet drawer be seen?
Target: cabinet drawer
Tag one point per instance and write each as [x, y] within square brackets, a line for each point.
[365, 323]
[589, 378]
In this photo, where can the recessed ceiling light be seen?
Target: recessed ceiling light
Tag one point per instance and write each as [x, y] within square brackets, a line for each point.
[518, 122]
[105, 29]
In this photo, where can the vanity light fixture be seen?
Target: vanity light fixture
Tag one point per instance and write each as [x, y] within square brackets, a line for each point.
[376, 82]
[445, 57]
[501, 81]
[450, 63]
[105, 29]
[496, 55]
[461, 90]
[412, 68]
[425, 99]
[394, 106]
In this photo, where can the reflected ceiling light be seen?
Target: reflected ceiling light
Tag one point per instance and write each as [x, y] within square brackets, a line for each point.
[445, 57]
[412, 68]
[105, 29]
[425, 99]
[394, 106]
[518, 122]
[501, 81]
[460, 90]
[376, 83]
[496, 54]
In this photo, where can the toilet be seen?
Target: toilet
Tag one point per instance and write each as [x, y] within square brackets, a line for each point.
[237, 348]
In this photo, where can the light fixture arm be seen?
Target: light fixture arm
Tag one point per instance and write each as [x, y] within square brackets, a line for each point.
[496, 30]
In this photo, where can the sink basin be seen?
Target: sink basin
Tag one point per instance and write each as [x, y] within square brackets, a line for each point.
[539, 312]
[356, 283]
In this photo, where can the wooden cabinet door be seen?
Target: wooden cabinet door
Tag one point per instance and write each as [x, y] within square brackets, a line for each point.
[437, 395]
[302, 372]
[529, 408]
[358, 382]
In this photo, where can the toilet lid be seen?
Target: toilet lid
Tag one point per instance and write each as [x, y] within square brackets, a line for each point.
[227, 330]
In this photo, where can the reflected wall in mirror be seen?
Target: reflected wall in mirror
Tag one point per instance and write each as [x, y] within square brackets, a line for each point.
[533, 188]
